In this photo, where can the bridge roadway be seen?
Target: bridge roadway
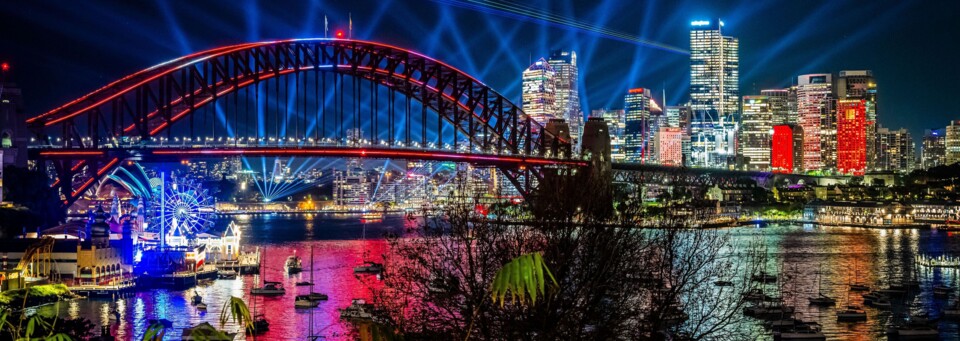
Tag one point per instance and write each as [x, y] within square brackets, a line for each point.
[177, 153]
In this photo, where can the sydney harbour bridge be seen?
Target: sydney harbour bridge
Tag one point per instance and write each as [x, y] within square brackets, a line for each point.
[314, 98]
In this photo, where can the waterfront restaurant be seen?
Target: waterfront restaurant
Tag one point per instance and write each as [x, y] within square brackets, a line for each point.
[936, 211]
[865, 213]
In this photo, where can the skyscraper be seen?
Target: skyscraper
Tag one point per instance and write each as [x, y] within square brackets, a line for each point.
[952, 143]
[564, 64]
[778, 100]
[755, 132]
[714, 93]
[933, 148]
[642, 118]
[851, 137]
[786, 152]
[895, 150]
[616, 125]
[669, 146]
[679, 116]
[860, 84]
[540, 92]
[814, 94]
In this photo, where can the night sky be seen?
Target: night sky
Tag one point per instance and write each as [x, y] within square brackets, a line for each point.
[62, 50]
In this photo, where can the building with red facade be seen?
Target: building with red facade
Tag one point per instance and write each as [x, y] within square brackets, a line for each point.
[786, 152]
[669, 145]
[851, 136]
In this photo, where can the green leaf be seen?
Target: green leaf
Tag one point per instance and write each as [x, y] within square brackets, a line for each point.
[523, 278]
[154, 332]
[58, 337]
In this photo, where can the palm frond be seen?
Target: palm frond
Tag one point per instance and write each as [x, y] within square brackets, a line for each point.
[524, 278]
[237, 310]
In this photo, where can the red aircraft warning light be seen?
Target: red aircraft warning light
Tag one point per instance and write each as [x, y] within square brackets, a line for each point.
[5, 66]
[339, 34]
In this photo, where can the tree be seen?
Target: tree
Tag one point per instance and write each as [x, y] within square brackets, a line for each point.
[614, 279]
[31, 189]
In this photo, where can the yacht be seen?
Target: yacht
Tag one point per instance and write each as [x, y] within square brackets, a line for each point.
[369, 267]
[260, 325]
[806, 331]
[197, 299]
[914, 331]
[764, 277]
[851, 314]
[859, 287]
[358, 309]
[941, 291]
[316, 296]
[882, 302]
[304, 284]
[294, 264]
[269, 289]
[304, 301]
[201, 306]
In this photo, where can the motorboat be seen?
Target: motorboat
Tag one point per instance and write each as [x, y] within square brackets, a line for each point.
[269, 289]
[764, 277]
[755, 295]
[304, 301]
[197, 299]
[294, 264]
[227, 274]
[260, 325]
[883, 303]
[304, 284]
[358, 309]
[201, 306]
[369, 267]
[941, 291]
[859, 287]
[914, 331]
[852, 313]
[807, 332]
[723, 283]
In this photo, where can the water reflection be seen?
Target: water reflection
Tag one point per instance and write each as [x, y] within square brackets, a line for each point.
[843, 255]
[846, 255]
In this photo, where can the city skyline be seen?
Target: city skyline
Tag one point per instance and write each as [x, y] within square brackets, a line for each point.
[769, 57]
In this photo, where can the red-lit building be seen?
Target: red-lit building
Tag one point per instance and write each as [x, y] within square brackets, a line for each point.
[851, 136]
[786, 152]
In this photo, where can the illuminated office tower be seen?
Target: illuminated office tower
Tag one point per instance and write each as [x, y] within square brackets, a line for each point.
[860, 84]
[895, 150]
[778, 100]
[755, 132]
[539, 92]
[669, 146]
[933, 149]
[679, 116]
[851, 136]
[786, 152]
[642, 118]
[814, 94]
[615, 126]
[566, 76]
[952, 143]
[714, 93]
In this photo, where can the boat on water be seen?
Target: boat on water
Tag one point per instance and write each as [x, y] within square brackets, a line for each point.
[371, 217]
[800, 331]
[316, 296]
[823, 300]
[294, 264]
[952, 310]
[723, 283]
[942, 291]
[914, 331]
[369, 267]
[851, 313]
[882, 303]
[304, 301]
[304, 284]
[197, 299]
[201, 306]
[269, 289]
[358, 309]
[950, 225]
[227, 274]
[260, 325]
[763, 277]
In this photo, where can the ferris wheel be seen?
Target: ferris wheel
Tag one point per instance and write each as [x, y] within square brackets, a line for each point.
[182, 204]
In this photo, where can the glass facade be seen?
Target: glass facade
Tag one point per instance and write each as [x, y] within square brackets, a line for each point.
[714, 94]
[814, 94]
[567, 99]
[851, 137]
[616, 125]
[755, 132]
[540, 92]
[642, 118]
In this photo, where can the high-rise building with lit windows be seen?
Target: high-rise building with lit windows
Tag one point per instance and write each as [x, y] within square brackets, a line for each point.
[714, 93]
[933, 149]
[814, 97]
[778, 100]
[851, 137]
[567, 79]
[952, 143]
[895, 150]
[616, 125]
[642, 118]
[669, 146]
[786, 152]
[755, 132]
[860, 84]
[679, 116]
[540, 92]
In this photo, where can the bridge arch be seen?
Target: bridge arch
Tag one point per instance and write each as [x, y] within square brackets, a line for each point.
[132, 111]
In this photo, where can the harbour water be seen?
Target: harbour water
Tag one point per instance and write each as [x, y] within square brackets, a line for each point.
[843, 255]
